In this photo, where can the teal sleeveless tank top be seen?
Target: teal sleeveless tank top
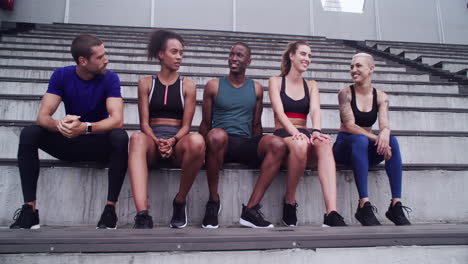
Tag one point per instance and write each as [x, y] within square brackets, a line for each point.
[234, 108]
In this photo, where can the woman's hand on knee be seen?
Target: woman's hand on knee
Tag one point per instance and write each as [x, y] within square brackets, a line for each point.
[319, 136]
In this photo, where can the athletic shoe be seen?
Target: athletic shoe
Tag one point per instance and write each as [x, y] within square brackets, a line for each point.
[211, 214]
[143, 220]
[253, 217]
[179, 215]
[289, 214]
[108, 218]
[333, 219]
[26, 218]
[365, 215]
[396, 215]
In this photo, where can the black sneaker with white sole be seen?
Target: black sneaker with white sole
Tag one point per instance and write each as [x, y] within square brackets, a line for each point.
[211, 214]
[253, 217]
[108, 218]
[26, 218]
[179, 215]
[333, 219]
[290, 214]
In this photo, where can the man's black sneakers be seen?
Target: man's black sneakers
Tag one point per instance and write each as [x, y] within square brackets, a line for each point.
[365, 215]
[290, 214]
[333, 219]
[253, 217]
[179, 215]
[26, 218]
[396, 215]
[211, 214]
[143, 220]
[108, 218]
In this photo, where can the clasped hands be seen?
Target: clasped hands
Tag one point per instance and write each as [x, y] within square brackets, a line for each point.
[70, 126]
[165, 147]
[315, 136]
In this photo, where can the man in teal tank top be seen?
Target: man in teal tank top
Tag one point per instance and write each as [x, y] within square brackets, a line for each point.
[231, 124]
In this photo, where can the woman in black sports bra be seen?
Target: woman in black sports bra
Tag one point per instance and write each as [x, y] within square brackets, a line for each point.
[292, 99]
[357, 146]
[166, 105]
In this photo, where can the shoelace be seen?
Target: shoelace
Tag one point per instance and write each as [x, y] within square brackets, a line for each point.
[18, 214]
[258, 213]
[406, 209]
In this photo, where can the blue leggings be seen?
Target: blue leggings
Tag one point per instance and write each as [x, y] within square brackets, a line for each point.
[359, 152]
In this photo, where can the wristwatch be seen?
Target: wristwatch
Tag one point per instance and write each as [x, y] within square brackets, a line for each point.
[89, 128]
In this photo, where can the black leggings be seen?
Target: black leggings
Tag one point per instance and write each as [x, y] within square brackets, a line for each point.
[111, 147]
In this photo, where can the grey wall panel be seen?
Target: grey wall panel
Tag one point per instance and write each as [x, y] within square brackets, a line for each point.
[345, 25]
[455, 21]
[199, 14]
[35, 11]
[274, 16]
[114, 12]
[404, 20]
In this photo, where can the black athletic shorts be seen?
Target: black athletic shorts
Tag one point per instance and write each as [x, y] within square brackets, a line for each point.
[243, 150]
[283, 133]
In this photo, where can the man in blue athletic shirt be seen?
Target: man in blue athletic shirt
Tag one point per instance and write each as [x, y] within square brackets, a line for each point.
[91, 130]
[231, 124]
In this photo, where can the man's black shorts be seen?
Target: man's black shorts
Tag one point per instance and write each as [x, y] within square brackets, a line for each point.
[243, 150]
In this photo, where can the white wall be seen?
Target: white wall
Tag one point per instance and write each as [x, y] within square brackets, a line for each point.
[404, 20]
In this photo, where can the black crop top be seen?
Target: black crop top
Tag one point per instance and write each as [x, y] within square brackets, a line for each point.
[166, 101]
[364, 119]
[295, 108]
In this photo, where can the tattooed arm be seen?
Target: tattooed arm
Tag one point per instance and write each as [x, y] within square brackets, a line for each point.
[383, 138]
[348, 124]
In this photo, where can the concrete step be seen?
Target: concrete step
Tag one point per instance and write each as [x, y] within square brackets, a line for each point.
[84, 244]
[64, 60]
[208, 33]
[409, 88]
[429, 52]
[419, 47]
[374, 43]
[412, 55]
[202, 75]
[415, 149]
[431, 60]
[190, 40]
[266, 53]
[89, 188]
[423, 119]
[327, 96]
[11, 49]
[452, 66]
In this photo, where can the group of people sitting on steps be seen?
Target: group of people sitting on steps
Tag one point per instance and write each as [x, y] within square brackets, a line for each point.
[230, 131]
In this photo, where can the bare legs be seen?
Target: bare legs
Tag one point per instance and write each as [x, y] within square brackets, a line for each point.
[301, 153]
[273, 149]
[189, 154]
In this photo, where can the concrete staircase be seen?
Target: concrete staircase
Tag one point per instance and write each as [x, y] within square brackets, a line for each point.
[428, 115]
[448, 57]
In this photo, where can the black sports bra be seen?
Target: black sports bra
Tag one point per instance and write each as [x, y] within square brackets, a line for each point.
[295, 108]
[364, 119]
[166, 101]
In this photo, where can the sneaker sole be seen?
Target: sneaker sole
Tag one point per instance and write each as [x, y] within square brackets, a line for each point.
[248, 224]
[284, 223]
[34, 227]
[111, 228]
[211, 226]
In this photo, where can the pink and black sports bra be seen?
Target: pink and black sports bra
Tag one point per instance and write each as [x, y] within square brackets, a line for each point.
[166, 101]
